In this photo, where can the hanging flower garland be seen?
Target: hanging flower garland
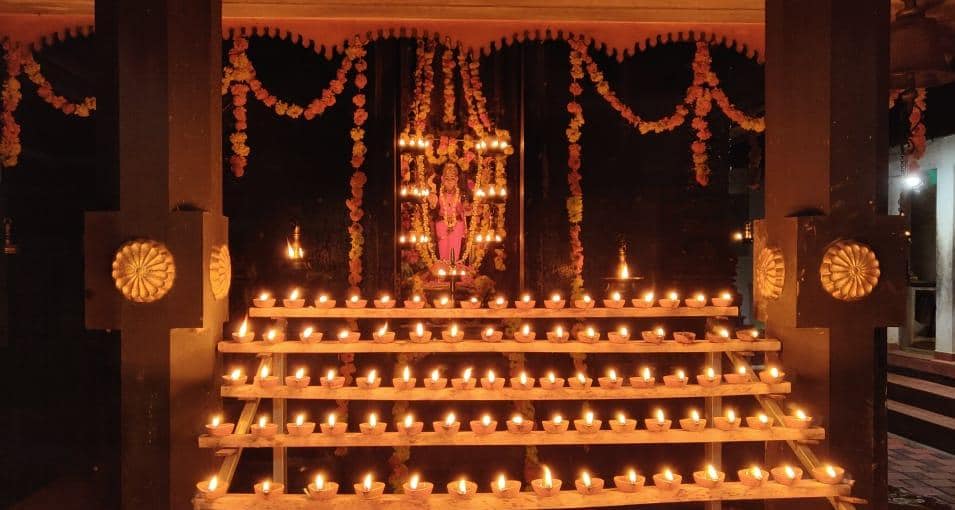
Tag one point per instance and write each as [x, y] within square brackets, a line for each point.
[424, 81]
[447, 71]
[915, 148]
[31, 68]
[356, 53]
[11, 95]
[575, 199]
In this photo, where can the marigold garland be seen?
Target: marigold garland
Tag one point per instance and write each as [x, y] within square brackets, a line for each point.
[356, 52]
[447, 70]
[31, 68]
[10, 134]
[575, 199]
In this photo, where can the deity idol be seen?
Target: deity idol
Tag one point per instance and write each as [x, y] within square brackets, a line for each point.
[451, 225]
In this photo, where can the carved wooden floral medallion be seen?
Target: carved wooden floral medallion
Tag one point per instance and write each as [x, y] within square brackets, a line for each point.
[849, 270]
[143, 270]
[220, 271]
[770, 272]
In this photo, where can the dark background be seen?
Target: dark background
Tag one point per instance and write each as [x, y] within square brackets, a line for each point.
[63, 392]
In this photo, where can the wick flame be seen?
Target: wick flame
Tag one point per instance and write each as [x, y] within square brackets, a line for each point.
[731, 416]
[774, 372]
[319, 482]
[615, 296]
[581, 378]
[523, 378]
[668, 474]
[590, 332]
[489, 332]
[660, 332]
[632, 476]
[373, 420]
[454, 330]
[264, 372]
[264, 296]
[711, 473]
[406, 374]
[589, 418]
[419, 329]
[648, 297]
[462, 486]
[244, 327]
[213, 483]
[501, 482]
[526, 298]
[449, 420]
[490, 376]
[551, 377]
[323, 298]
[763, 418]
[695, 415]
[586, 298]
[555, 298]
[435, 375]
[486, 420]
[800, 415]
[384, 330]
[467, 374]
[701, 298]
[300, 420]
[621, 418]
[710, 374]
[673, 296]
[216, 420]
[300, 373]
[623, 331]
[525, 329]
[585, 478]
[558, 419]
[331, 419]
[741, 370]
[790, 473]
[548, 482]
[830, 471]
[266, 487]
[612, 374]
[372, 375]
[559, 331]
[660, 418]
[294, 295]
[756, 472]
[330, 376]
[413, 483]
[646, 374]
[366, 485]
[517, 419]
[409, 421]
[235, 375]
[680, 375]
[263, 421]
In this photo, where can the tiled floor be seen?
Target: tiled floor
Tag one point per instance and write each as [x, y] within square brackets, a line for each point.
[921, 469]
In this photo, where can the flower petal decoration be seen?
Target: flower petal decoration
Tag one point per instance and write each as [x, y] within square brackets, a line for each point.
[849, 270]
[143, 270]
[220, 271]
[770, 272]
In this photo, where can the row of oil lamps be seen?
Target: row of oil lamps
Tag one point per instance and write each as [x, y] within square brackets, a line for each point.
[546, 486]
[517, 424]
[644, 379]
[295, 299]
[455, 333]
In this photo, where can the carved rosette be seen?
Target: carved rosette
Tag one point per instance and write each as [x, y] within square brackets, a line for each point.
[220, 271]
[770, 272]
[143, 270]
[849, 270]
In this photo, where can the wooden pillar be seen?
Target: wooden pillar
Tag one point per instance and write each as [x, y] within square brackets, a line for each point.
[826, 150]
[162, 126]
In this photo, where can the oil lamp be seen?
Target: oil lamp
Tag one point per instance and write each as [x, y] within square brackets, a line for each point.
[522, 381]
[654, 336]
[369, 489]
[667, 480]
[298, 380]
[244, 334]
[644, 379]
[556, 425]
[630, 482]
[546, 486]
[558, 335]
[588, 424]
[267, 489]
[753, 476]
[372, 427]
[587, 484]
[518, 425]
[709, 477]
[645, 301]
[659, 422]
[300, 427]
[694, 423]
[321, 489]
[672, 300]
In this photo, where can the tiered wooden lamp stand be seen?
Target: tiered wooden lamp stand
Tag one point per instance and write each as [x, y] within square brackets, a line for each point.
[231, 445]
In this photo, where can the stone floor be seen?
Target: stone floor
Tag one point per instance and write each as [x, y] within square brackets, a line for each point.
[921, 472]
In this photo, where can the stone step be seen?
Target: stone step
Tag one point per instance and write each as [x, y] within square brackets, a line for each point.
[921, 393]
[924, 426]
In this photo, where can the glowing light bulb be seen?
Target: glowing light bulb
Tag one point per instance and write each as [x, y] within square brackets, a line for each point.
[406, 374]
[548, 482]
[712, 473]
[589, 418]
[213, 483]
[790, 473]
[632, 476]
[332, 419]
[501, 482]
[449, 420]
[585, 478]
[661, 419]
[467, 374]
[319, 482]
[366, 484]
[373, 420]
[413, 482]
[668, 474]
[646, 374]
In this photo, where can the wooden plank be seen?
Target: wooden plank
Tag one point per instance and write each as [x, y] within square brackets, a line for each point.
[728, 491]
[481, 394]
[505, 438]
[537, 346]
[310, 312]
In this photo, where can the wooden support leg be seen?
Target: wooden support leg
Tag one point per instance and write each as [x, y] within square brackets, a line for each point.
[713, 406]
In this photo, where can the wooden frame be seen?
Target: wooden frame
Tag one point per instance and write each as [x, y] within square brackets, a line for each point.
[309, 312]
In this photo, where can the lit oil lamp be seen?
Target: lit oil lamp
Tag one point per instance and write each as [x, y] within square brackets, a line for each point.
[694, 423]
[546, 486]
[525, 334]
[555, 425]
[384, 301]
[623, 424]
[644, 379]
[518, 425]
[753, 477]
[709, 378]
[369, 489]
[719, 335]
[268, 489]
[444, 302]
[759, 422]
[551, 381]
[588, 335]
[370, 381]
[449, 425]
[671, 301]
[697, 301]
[415, 302]
[216, 428]
[580, 381]
[555, 302]
[724, 299]
[729, 421]
[659, 422]
[405, 381]
[489, 334]
[522, 381]
[300, 427]
[419, 334]
[498, 303]
[654, 336]
[645, 301]
[294, 299]
[471, 303]
[453, 333]
[740, 376]
[558, 335]
[630, 482]
[324, 301]
[308, 335]
[585, 301]
[435, 381]
[417, 489]
[621, 335]
[709, 478]
[465, 382]
[264, 300]
[772, 375]
[684, 337]
[747, 335]
[273, 336]
[614, 301]
[587, 484]
[263, 429]
[211, 489]
[265, 379]
[588, 424]
[355, 301]
[298, 380]
[828, 474]
[677, 379]
[235, 378]
[525, 302]
[332, 427]
[348, 336]
[408, 426]
[492, 382]
[798, 420]
[486, 425]
[321, 489]
[786, 474]
[382, 335]
[611, 381]
[504, 488]
[667, 480]
[244, 334]
[332, 380]
[462, 489]
[372, 427]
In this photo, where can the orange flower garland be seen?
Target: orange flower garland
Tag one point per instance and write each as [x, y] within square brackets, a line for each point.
[424, 85]
[447, 70]
[10, 132]
[575, 200]
[45, 90]
[356, 53]
[915, 148]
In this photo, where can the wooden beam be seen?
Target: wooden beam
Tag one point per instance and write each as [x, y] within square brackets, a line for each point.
[251, 391]
[310, 312]
[729, 491]
[538, 346]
